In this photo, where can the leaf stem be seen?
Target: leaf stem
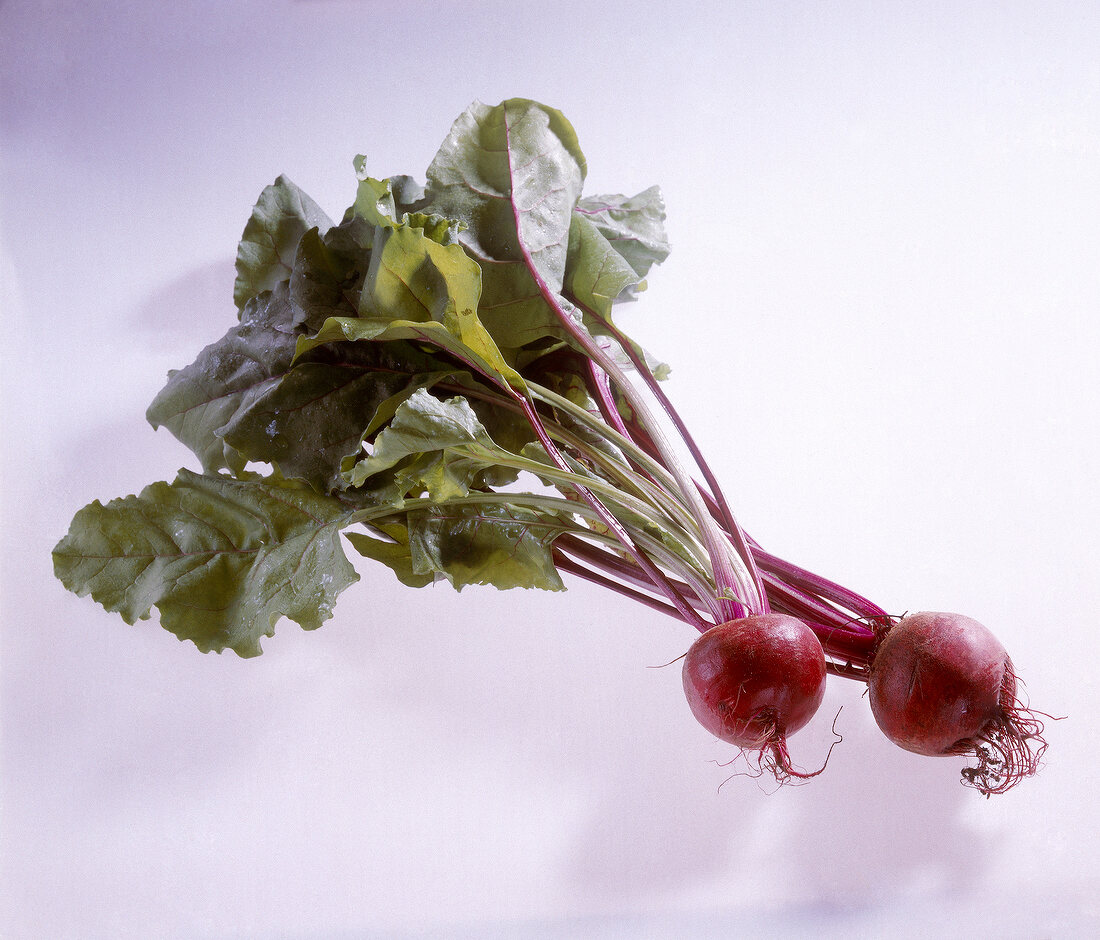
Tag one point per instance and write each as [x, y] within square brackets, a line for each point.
[606, 516]
[729, 570]
[569, 565]
[602, 488]
[642, 485]
[728, 582]
[725, 513]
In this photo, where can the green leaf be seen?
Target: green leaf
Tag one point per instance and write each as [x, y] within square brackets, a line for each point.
[424, 423]
[408, 194]
[613, 241]
[386, 409]
[597, 275]
[414, 277]
[634, 226]
[436, 227]
[448, 446]
[221, 559]
[505, 546]
[503, 424]
[512, 174]
[392, 202]
[377, 329]
[393, 552]
[418, 289]
[265, 256]
[314, 415]
[374, 202]
[328, 272]
[226, 377]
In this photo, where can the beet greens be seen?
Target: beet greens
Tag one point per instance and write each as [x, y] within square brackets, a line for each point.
[399, 376]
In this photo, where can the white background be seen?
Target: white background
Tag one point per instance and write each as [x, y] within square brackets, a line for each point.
[882, 314]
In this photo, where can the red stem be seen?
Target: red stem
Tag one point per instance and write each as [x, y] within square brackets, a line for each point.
[564, 563]
[823, 587]
[725, 515]
[600, 386]
[655, 575]
[725, 577]
[786, 576]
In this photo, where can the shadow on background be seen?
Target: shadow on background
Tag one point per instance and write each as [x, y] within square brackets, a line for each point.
[190, 311]
[878, 825]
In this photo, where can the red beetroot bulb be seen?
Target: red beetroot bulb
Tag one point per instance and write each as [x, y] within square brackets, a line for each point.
[752, 682]
[943, 684]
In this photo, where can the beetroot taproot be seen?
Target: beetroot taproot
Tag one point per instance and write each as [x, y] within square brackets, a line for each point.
[942, 684]
[755, 681]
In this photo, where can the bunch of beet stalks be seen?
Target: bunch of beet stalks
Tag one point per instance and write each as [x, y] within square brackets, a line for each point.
[940, 684]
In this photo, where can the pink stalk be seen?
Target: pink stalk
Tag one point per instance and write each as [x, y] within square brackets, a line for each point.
[725, 579]
[656, 576]
[623, 569]
[726, 514]
[616, 528]
[564, 563]
[606, 400]
[728, 584]
[823, 587]
[837, 635]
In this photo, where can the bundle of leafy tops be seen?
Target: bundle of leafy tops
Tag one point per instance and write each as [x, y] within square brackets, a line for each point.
[438, 379]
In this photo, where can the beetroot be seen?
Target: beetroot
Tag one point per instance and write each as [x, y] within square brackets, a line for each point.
[754, 681]
[942, 684]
